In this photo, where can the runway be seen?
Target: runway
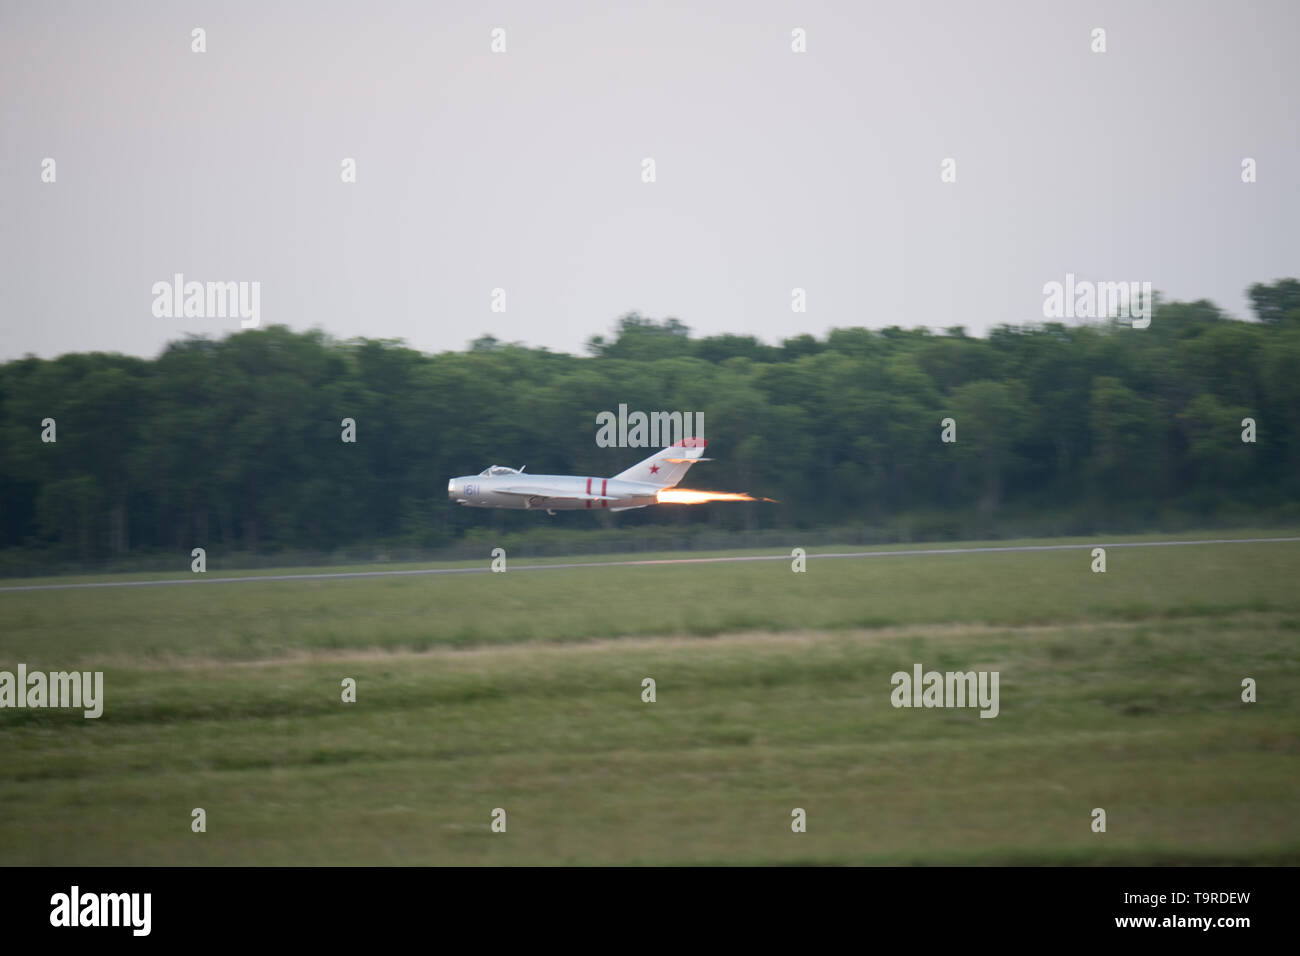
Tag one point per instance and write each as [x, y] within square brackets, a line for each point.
[485, 569]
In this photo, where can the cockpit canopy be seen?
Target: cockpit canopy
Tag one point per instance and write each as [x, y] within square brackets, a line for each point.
[498, 470]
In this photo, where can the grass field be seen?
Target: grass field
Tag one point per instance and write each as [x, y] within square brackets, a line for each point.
[523, 691]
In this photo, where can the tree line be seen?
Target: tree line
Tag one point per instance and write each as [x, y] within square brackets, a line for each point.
[237, 444]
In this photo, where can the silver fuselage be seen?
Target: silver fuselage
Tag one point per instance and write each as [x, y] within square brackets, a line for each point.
[550, 492]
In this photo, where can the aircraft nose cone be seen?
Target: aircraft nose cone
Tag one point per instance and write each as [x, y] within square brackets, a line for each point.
[451, 488]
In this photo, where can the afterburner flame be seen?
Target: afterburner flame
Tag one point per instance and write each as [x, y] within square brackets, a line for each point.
[689, 496]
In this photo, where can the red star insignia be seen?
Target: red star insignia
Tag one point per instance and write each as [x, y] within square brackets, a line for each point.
[654, 469]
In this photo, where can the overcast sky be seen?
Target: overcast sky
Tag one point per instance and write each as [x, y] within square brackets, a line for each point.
[522, 170]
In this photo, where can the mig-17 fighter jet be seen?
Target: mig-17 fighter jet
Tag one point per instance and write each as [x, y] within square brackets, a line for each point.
[650, 482]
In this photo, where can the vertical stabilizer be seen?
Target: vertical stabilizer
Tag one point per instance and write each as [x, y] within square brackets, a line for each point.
[667, 466]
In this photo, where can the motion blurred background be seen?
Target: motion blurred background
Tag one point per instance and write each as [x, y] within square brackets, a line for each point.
[235, 445]
[504, 151]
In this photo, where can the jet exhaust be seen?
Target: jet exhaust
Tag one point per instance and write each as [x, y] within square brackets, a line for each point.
[689, 496]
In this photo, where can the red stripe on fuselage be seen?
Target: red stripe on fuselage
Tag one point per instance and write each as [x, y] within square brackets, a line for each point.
[588, 492]
[604, 502]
